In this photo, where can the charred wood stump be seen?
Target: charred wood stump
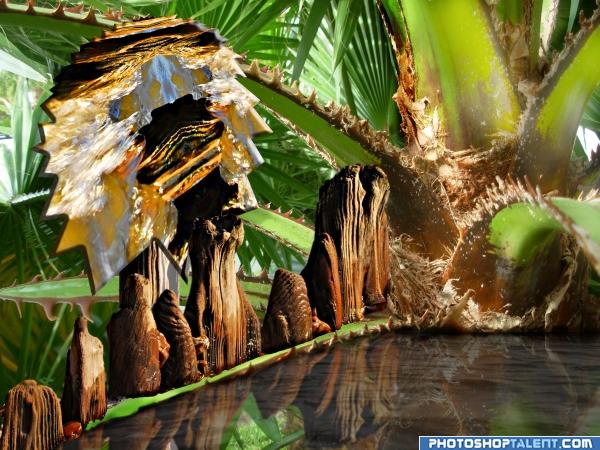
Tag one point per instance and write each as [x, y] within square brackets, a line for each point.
[322, 278]
[215, 308]
[181, 367]
[32, 418]
[137, 349]
[84, 394]
[288, 320]
[351, 209]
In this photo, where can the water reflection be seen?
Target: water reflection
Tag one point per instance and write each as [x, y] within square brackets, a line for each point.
[382, 393]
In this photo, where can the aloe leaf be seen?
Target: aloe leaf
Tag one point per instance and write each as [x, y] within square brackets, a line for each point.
[66, 289]
[131, 406]
[44, 21]
[284, 229]
[77, 290]
[460, 69]
[521, 230]
[335, 142]
[550, 123]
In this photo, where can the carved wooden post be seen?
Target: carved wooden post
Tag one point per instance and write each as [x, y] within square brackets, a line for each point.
[288, 320]
[181, 367]
[351, 210]
[215, 308]
[84, 394]
[32, 418]
[137, 348]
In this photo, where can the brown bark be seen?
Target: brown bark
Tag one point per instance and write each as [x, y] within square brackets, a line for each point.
[32, 418]
[135, 343]
[351, 210]
[181, 367]
[84, 394]
[378, 281]
[253, 336]
[215, 308]
[322, 278]
[153, 265]
[418, 211]
[288, 320]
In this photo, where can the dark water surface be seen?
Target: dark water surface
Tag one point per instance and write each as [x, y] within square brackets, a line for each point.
[382, 393]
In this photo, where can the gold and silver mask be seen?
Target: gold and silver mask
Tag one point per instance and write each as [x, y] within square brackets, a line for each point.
[140, 118]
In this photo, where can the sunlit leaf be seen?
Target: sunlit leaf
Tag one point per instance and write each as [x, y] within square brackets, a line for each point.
[521, 231]
[283, 228]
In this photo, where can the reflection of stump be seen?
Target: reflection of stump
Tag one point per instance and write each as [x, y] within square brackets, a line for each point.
[181, 367]
[135, 344]
[84, 394]
[351, 210]
[276, 387]
[32, 418]
[323, 281]
[141, 428]
[215, 307]
[339, 380]
[288, 320]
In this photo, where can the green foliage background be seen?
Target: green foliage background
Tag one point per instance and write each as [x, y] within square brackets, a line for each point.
[339, 48]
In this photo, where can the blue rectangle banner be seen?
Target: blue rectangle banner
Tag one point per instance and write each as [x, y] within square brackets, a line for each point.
[508, 442]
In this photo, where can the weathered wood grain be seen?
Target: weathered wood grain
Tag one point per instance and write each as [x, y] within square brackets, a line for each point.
[136, 347]
[84, 393]
[351, 209]
[181, 367]
[288, 320]
[215, 308]
[32, 418]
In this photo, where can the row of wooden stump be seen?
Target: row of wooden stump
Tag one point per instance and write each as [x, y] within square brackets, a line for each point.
[154, 346]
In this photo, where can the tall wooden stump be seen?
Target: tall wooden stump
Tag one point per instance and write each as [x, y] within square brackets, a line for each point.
[351, 210]
[84, 394]
[32, 418]
[181, 367]
[137, 348]
[215, 308]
